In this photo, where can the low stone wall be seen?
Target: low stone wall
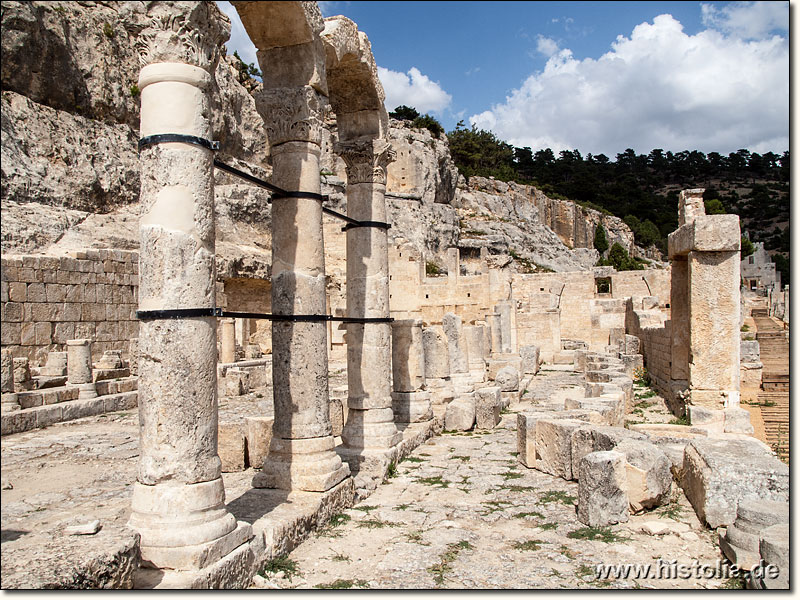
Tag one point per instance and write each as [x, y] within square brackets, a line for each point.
[48, 300]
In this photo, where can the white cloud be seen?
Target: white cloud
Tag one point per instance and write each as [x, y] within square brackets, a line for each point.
[546, 46]
[748, 20]
[658, 88]
[413, 89]
[239, 42]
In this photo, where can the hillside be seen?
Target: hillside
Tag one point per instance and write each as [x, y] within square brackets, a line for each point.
[70, 173]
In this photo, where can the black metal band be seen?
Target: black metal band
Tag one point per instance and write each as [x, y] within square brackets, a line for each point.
[376, 224]
[185, 313]
[311, 195]
[161, 138]
[177, 313]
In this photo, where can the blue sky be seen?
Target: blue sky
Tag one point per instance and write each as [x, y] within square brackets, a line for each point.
[596, 76]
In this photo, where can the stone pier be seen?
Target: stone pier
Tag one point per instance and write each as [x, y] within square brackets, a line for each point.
[79, 367]
[301, 455]
[493, 322]
[178, 504]
[709, 300]
[227, 353]
[411, 403]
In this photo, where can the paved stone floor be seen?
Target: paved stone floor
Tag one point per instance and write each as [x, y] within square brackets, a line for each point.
[462, 513]
[459, 513]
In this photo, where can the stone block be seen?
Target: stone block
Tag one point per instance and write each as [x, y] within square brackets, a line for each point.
[231, 446]
[602, 481]
[411, 407]
[774, 546]
[460, 414]
[648, 472]
[494, 365]
[258, 436]
[337, 415]
[737, 420]
[237, 382]
[718, 473]
[488, 403]
[526, 437]
[594, 438]
[78, 409]
[47, 415]
[530, 359]
[17, 421]
[750, 351]
[507, 379]
[120, 401]
[554, 446]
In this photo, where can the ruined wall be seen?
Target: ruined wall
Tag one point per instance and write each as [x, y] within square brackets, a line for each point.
[655, 336]
[48, 300]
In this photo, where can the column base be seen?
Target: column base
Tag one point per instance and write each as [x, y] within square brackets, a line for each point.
[184, 526]
[441, 389]
[462, 383]
[411, 407]
[371, 429]
[309, 465]
[86, 391]
[371, 461]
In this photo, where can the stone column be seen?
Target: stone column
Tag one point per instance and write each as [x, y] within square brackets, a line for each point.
[9, 398]
[410, 402]
[179, 497]
[301, 454]
[227, 341]
[786, 303]
[370, 427]
[504, 309]
[475, 336]
[79, 367]
[495, 327]
[437, 365]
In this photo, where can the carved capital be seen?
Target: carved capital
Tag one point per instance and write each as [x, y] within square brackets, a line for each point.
[190, 33]
[291, 115]
[366, 161]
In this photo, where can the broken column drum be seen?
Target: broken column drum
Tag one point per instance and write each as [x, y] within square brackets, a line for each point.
[410, 402]
[79, 367]
[370, 421]
[179, 497]
[301, 452]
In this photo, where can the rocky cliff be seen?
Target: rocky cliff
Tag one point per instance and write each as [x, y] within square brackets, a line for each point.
[70, 177]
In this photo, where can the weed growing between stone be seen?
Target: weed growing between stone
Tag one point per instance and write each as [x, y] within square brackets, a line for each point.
[528, 545]
[557, 496]
[444, 565]
[342, 584]
[281, 564]
[600, 534]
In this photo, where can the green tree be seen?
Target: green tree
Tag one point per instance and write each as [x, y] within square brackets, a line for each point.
[246, 71]
[405, 113]
[600, 239]
[619, 259]
[747, 247]
[714, 207]
[429, 123]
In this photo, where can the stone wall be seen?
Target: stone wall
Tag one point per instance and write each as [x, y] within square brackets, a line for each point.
[655, 337]
[49, 300]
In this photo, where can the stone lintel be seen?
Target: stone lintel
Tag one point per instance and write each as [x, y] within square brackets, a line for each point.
[707, 233]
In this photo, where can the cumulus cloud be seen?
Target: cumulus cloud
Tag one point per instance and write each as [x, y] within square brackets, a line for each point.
[658, 88]
[748, 20]
[239, 42]
[413, 89]
[546, 45]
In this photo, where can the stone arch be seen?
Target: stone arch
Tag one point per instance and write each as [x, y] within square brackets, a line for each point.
[355, 92]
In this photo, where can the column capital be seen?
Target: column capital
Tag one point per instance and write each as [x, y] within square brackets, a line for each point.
[291, 114]
[193, 36]
[366, 161]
